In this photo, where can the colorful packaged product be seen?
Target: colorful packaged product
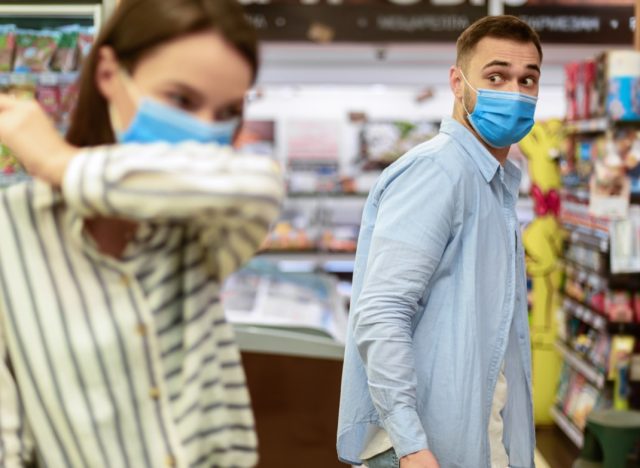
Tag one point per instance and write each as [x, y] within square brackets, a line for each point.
[571, 85]
[7, 47]
[619, 306]
[621, 348]
[622, 68]
[48, 94]
[65, 58]
[85, 41]
[34, 50]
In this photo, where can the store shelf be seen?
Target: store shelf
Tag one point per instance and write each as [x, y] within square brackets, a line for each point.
[567, 427]
[590, 237]
[589, 371]
[586, 275]
[588, 126]
[331, 195]
[584, 313]
[307, 256]
[288, 342]
[331, 262]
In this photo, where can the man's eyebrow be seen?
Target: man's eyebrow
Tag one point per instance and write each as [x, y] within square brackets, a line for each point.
[533, 66]
[502, 63]
[497, 63]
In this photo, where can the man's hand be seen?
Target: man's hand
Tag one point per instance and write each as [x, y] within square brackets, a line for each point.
[421, 459]
[33, 140]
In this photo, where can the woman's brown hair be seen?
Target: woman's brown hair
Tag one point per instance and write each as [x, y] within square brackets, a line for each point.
[136, 27]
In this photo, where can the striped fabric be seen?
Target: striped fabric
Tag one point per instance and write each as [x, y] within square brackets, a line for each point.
[129, 362]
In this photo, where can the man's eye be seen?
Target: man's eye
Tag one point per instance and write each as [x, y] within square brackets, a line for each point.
[529, 81]
[496, 79]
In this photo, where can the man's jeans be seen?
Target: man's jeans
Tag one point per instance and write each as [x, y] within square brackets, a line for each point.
[387, 459]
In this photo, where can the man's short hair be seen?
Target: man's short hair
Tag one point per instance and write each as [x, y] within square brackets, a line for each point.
[500, 27]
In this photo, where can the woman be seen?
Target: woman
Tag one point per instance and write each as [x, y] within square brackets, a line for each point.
[114, 350]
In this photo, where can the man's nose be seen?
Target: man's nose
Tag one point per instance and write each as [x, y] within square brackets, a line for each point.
[512, 85]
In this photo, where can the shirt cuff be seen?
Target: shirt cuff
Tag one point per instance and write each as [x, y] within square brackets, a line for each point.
[406, 432]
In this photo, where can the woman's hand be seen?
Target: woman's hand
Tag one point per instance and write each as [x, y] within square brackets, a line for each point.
[421, 459]
[30, 135]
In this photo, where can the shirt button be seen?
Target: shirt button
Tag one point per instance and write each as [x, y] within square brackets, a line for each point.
[154, 392]
[141, 329]
[170, 460]
[124, 279]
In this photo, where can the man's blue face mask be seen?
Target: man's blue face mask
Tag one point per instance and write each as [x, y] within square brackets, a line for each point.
[157, 122]
[501, 118]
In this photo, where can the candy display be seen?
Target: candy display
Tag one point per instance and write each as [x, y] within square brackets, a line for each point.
[43, 65]
[34, 50]
[7, 47]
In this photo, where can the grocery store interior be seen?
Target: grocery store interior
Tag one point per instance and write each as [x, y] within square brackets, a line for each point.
[345, 88]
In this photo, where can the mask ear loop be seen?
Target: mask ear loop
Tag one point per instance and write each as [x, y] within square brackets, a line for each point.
[134, 94]
[468, 84]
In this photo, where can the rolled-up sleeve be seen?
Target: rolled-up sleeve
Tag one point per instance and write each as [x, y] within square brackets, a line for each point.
[230, 199]
[413, 226]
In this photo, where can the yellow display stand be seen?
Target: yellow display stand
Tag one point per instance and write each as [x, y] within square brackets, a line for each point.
[542, 240]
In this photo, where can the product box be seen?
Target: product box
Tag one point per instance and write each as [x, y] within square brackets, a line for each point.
[619, 306]
[571, 86]
[590, 99]
[622, 68]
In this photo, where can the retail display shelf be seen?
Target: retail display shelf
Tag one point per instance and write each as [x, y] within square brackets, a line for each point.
[567, 427]
[579, 364]
[588, 126]
[584, 313]
[590, 237]
[596, 125]
[288, 342]
[332, 195]
[585, 274]
[307, 256]
[575, 195]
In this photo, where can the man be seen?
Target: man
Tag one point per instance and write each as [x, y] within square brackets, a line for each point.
[438, 328]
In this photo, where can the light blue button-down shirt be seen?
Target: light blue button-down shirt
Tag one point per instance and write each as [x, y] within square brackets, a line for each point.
[439, 303]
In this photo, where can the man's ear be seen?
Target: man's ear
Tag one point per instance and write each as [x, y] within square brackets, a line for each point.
[107, 73]
[455, 82]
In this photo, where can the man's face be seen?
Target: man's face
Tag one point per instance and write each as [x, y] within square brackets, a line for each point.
[501, 65]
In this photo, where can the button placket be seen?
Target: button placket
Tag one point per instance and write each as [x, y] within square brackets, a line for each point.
[157, 392]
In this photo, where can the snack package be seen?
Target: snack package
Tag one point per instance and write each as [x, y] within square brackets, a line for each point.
[68, 94]
[22, 86]
[571, 86]
[48, 95]
[8, 164]
[623, 79]
[34, 50]
[619, 306]
[7, 47]
[65, 58]
[621, 349]
[85, 41]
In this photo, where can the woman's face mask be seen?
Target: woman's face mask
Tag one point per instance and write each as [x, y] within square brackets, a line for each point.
[501, 118]
[155, 122]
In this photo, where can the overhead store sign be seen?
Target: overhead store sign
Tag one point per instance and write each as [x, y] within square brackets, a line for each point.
[592, 22]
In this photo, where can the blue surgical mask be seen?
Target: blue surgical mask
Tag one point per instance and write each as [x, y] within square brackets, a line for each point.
[158, 122]
[501, 118]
